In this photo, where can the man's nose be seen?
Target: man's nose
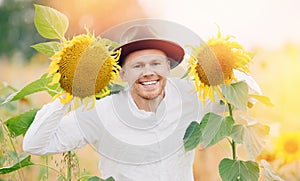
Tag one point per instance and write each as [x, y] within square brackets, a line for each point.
[148, 70]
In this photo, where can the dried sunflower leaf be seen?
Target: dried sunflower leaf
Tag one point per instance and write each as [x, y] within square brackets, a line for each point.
[253, 137]
[263, 99]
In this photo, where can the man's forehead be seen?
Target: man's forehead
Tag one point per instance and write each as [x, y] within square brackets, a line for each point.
[145, 55]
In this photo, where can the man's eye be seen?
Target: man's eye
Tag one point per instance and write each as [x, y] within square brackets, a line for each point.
[156, 64]
[137, 66]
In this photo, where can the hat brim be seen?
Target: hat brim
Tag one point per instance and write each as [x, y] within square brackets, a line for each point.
[173, 51]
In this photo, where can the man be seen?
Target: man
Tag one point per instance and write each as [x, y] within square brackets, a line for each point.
[139, 131]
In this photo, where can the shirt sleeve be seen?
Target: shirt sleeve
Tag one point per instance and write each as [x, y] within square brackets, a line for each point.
[53, 131]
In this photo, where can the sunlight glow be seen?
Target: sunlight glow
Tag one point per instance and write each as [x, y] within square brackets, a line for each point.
[267, 23]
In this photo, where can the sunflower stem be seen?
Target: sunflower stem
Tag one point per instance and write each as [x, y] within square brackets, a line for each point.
[233, 144]
[51, 168]
[69, 163]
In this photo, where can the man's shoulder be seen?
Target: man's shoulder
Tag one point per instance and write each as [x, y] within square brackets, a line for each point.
[110, 98]
[182, 83]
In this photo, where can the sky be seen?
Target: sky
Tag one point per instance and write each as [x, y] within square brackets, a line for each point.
[264, 23]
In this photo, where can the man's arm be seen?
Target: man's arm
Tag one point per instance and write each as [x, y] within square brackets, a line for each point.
[53, 131]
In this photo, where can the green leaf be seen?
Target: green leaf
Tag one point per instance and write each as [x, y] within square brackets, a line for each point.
[254, 138]
[18, 125]
[237, 133]
[112, 45]
[263, 99]
[192, 136]
[7, 109]
[115, 88]
[186, 73]
[36, 86]
[22, 163]
[237, 94]
[48, 48]
[50, 23]
[95, 178]
[233, 170]
[215, 128]
[1, 134]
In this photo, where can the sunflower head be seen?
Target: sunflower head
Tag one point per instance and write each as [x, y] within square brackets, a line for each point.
[84, 67]
[212, 65]
[287, 146]
[267, 155]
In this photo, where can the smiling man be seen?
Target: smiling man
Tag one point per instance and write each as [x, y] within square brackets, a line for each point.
[146, 71]
[139, 131]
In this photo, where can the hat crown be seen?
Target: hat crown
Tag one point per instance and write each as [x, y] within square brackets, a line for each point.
[138, 32]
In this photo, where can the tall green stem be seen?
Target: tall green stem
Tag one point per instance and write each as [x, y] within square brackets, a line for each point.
[51, 168]
[69, 163]
[233, 144]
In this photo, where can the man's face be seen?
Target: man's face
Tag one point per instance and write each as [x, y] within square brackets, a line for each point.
[146, 71]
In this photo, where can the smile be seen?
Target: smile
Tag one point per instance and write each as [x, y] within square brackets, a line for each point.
[149, 82]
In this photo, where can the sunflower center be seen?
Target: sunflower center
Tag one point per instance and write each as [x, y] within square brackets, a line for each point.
[85, 68]
[209, 68]
[291, 146]
[225, 57]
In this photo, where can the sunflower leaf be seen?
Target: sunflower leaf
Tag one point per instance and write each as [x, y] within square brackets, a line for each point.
[35, 86]
[237, 133]
[95, 178]
[22, 163]
[50, 23]
[48, 48]
[263, 99]
[238, 170]
[253, 137]
[214, 128]
[115, 88]
[192, 136]
[18, 125]
[237, 94]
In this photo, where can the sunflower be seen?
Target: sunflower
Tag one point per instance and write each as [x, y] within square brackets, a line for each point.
[287, 146]
[267, 155]
[211, 65]
[84, 68]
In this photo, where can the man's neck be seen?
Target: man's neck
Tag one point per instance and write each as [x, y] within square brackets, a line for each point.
[148, 105]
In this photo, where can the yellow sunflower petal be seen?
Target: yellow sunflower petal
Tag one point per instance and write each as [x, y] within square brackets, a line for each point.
[68, 97]
[53, 69]
[86, 103]
[211, 93]
[57, 95]
[76, 103]
[93, 102]
[55, 79]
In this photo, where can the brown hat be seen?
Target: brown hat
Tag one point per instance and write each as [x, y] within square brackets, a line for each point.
[141, 37]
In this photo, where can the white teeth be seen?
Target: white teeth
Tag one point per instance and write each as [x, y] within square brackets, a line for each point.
[148, 83]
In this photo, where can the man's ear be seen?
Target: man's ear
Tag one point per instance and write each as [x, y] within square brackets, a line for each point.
[122, 75]
[169, 65]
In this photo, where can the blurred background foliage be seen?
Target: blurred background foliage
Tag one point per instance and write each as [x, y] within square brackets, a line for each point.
[17, 30]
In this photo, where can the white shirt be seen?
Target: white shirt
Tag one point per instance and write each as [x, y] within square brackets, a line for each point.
[134, 145]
